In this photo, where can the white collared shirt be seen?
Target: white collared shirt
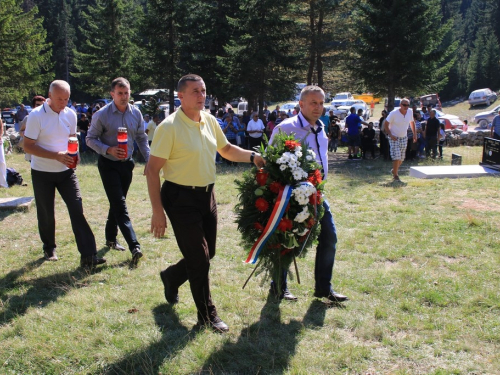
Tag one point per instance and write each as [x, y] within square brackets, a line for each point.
[51, 131]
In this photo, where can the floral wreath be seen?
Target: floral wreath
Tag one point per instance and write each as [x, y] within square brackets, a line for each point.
[280, 206]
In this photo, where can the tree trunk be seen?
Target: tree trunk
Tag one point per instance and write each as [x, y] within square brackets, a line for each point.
[319, 47]
[312, 48]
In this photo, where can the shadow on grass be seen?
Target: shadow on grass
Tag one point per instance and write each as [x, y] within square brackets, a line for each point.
[39, 292]
[174, 338]
[264, 347]
[315, 315]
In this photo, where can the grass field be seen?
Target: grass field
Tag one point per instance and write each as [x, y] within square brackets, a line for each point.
[419, 261]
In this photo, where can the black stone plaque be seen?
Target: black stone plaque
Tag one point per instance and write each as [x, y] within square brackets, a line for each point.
[491, 154]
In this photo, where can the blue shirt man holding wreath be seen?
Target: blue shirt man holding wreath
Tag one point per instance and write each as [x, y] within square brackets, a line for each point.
[306, 125]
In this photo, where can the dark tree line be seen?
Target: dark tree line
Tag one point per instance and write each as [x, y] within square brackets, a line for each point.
[257, 49]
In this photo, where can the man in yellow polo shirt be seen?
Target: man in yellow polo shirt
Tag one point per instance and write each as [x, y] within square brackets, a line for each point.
[183, 150]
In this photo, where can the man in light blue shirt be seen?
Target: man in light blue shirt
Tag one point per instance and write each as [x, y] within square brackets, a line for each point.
[306, 125]
[495, 127]
[115, 164]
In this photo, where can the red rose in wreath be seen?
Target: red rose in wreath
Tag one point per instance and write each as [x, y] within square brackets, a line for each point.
[315, 177]
[285, 224]
[275, 187]
[258, 226]
[261, 204]
[291, 145]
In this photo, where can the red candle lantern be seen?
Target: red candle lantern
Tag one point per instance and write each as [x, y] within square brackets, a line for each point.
[123, 140]
[73, 151]
[261, 177]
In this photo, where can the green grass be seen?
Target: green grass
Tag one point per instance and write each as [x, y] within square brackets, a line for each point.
[418, 260]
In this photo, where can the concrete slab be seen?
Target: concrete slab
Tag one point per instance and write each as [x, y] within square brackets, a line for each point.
[16, 203]
[452, 171]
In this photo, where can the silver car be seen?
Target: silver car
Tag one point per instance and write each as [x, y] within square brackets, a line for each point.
[482, 96]
[485, 118]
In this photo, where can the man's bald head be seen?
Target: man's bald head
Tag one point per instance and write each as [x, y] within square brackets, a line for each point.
[59, 85]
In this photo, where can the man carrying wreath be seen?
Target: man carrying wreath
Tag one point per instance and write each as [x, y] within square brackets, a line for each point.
[183, 150]
[306, 125]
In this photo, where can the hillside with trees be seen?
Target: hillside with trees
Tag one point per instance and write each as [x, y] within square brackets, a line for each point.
[257, 49]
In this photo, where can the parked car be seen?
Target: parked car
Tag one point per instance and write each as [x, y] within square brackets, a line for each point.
[342, 98]
[450, 122]
[485, 118]
[482, 96]
[102, 102]
[289, 107]
[8, 117]
[430, 99]
[397, 102]
[358, 104]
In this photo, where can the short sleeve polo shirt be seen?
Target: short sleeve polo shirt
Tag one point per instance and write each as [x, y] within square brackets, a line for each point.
[398, 123]
[51, 131]
[189, 148]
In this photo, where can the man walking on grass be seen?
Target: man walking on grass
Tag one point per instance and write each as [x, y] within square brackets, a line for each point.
[115, 164]
[306, 125]
[48, 129]
[396, 127]
[183, 150]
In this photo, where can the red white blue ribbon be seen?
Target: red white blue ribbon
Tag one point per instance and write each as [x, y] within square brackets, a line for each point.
[278, 212]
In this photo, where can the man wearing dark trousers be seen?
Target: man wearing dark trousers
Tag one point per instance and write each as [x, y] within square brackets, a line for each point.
[48, 129]
[114, 164]
[183, 150]
[305, 126]
[431, 134]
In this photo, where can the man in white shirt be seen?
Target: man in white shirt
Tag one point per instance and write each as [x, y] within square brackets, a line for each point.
[46, 139]
[396, 126]
[306, 125]
[255, 129]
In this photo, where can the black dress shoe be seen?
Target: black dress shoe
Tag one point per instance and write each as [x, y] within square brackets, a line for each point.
[136, 255]
[332, 296]
[171, 293]
[91, 261]
[50, 255]
[288, 296]
[115, 245]
[284, 293]
[216, 324]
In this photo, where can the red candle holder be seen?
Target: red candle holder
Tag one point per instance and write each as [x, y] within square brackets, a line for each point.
[261, 177]
[73, 151]
[123, 140]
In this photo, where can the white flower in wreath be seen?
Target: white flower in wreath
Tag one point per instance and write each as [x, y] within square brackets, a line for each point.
[312, 153]
[297, 174]
[309, 157]
[298, 154]
[304, 232]
[283, 167]
[302, 216]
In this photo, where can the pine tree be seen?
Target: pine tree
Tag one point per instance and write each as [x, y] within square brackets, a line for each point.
[162, 51]
[260, 62]
[204, 33]
[399, 50]
[25, 55]
[110, 45]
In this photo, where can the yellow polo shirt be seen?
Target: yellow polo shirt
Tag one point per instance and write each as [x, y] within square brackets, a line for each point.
[189, 148]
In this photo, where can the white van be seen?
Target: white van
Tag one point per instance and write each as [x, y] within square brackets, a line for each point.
[242, 107]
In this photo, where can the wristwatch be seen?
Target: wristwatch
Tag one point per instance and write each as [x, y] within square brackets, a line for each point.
[252, 156]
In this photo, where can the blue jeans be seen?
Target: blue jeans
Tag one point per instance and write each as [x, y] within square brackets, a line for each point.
[325, 252]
